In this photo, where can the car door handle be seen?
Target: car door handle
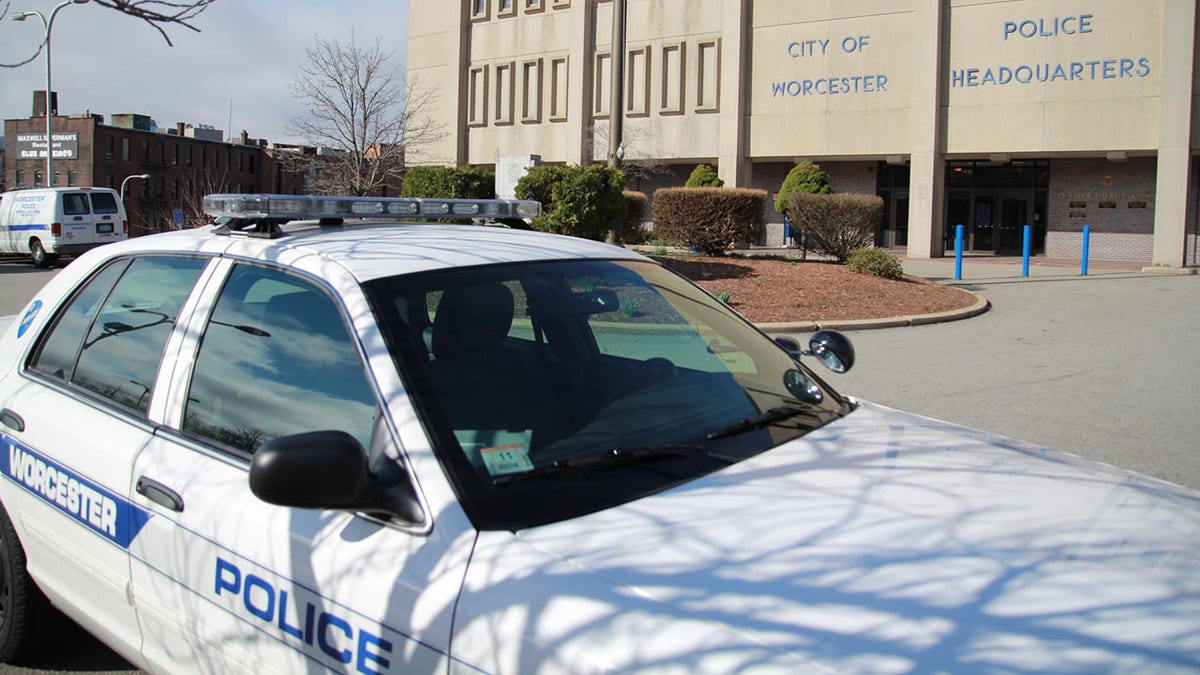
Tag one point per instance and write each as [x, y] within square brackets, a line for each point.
[12, 420]
[159, 494]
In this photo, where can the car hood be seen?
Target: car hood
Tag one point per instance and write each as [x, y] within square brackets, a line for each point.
[884, 542]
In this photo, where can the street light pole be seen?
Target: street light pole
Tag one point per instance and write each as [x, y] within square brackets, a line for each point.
[143, 176]
[48, 24]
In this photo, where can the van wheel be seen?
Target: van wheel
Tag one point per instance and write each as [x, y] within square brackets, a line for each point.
[24, 612]
[41, 259]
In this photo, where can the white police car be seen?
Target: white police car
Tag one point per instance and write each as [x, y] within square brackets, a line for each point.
[269, 447]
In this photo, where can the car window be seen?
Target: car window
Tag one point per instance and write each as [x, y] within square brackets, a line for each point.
[104, 202]
[535, 380]
[276, 359]
[109, 339]
[75, 204]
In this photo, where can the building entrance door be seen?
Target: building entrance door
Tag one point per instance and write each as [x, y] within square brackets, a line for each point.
[896, 229]
[1011, 222]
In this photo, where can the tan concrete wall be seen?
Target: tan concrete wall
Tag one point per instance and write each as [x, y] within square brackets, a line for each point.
[1101, 62]
[831, 78]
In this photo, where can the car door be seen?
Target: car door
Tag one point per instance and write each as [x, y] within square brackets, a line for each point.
[72, 425]
[106, 217]
[225, 582]
[78, 227]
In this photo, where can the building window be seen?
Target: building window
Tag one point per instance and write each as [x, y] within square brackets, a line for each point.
[479, 9]
[174, 189]
[125, 149]
[532, 6]
[20, 177]
[108, 147]
[72, 178]
[108, 180]
[603, 82]
[174, 154]
[559, 97]
[531, 92]
[188, 156]
[37, 178]
[674, 67]
[477, 97]
[637, 83]
[145, 152]
[562, 4]
[504, 93]
[506, 8]
[708, 76]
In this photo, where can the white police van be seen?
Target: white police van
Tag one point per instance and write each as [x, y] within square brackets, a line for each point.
[272, 446]
[46, 223]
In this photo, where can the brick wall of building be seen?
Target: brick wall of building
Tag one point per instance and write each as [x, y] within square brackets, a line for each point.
[1116, 199]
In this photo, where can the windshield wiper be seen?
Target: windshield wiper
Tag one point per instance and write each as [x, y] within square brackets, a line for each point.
[620, 455]
[762, 419]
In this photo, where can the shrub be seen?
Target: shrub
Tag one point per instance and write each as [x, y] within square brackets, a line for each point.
[449, 182]
[582, 201]
[538, 183]
[804, 178]
[635, 212]
[704, 176]
[710, 220]
[876, 262]
[835, 224]
[723, 296]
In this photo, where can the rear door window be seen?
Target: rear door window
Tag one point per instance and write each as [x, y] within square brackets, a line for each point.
[104, 202]
[109, 340]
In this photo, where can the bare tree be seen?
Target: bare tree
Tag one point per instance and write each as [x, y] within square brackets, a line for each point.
[160, 14]
[637, 163]
[361, 109]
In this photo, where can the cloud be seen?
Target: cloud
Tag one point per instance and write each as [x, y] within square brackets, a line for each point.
[235, 74]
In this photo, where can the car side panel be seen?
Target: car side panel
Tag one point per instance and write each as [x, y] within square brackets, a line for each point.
[65, 485]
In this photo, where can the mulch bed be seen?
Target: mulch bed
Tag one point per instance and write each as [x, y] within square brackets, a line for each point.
[773, 290]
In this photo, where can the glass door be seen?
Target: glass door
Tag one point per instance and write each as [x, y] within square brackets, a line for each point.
[1013, 217]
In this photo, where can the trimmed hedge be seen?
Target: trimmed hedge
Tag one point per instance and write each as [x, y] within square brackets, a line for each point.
[710, 220]
[449, 182]
[836, 224]
[635, 213]
[704, 176]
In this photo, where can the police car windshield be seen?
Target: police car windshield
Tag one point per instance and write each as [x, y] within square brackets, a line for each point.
[519, 367]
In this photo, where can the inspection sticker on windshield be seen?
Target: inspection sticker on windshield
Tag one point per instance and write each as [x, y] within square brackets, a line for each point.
[504, 459]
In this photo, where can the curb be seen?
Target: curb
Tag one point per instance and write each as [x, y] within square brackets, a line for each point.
[981, 305]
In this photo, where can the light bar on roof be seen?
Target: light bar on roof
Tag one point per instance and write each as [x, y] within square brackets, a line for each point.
[309, 207]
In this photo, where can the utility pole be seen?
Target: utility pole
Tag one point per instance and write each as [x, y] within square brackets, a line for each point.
[616, 108]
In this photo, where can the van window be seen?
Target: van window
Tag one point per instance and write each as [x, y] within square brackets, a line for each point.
[104, 202]
[75, 204]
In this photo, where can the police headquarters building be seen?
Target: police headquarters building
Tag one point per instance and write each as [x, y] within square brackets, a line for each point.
[990, 114]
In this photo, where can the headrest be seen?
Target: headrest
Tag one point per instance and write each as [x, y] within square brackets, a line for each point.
[471, 319]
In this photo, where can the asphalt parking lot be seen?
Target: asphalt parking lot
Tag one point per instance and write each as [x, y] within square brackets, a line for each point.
[1105, 366]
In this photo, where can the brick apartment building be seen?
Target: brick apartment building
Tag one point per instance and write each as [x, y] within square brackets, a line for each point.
[185, 162]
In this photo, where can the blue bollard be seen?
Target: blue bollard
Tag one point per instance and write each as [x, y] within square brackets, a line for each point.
[787, 231]
[958, 247]
[1083, 261]
[1025, 251]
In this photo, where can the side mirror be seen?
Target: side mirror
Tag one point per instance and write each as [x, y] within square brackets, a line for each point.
[330, 470]
[832, 349]
[314, 470]
[790, 345]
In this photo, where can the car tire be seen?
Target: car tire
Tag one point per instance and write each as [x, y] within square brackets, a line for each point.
[41, 259]
[25, 614]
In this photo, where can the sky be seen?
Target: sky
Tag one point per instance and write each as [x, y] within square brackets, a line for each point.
[235, 74]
